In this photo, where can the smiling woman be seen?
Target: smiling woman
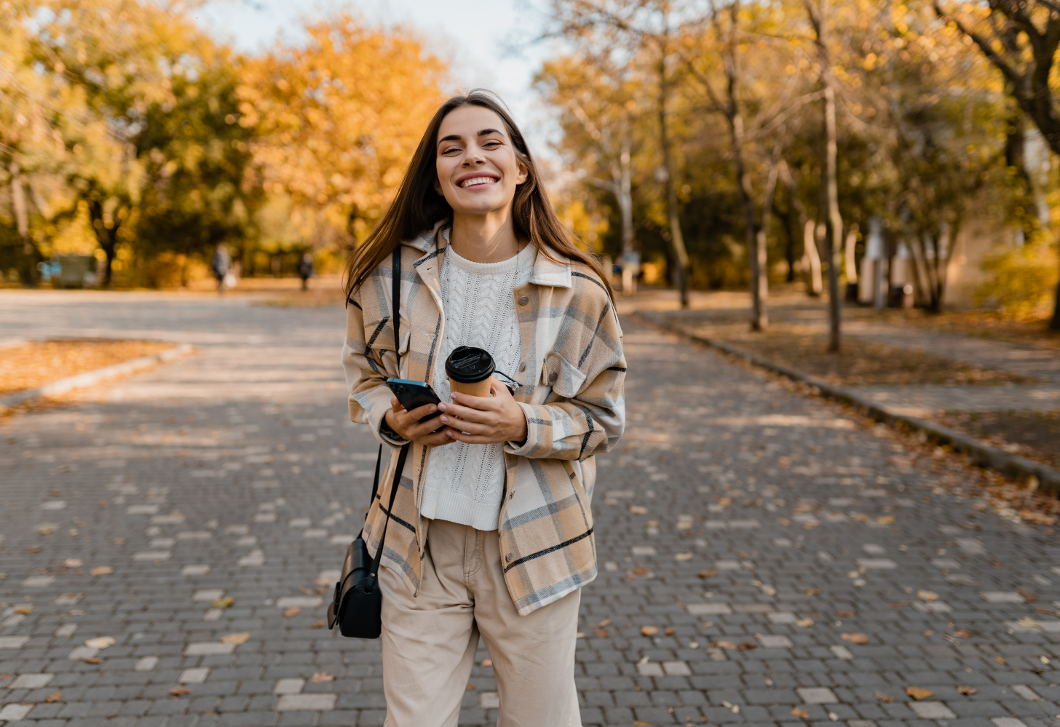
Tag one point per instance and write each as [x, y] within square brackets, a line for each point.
[501, 481]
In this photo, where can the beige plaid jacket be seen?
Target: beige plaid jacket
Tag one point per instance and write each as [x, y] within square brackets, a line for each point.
[571, 375]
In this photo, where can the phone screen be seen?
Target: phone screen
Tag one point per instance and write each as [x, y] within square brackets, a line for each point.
[413, 395]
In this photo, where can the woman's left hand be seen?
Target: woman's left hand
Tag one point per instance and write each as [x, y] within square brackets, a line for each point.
[486, 419]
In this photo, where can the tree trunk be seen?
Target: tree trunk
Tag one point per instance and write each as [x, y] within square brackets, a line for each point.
[833, 223]
[106, 236]
[813, 257]
[676, 238]
[625, 205]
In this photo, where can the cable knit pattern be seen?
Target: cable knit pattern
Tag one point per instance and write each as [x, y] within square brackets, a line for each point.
[464, 483]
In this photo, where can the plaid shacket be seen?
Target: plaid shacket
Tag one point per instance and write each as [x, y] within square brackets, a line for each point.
[571, 375]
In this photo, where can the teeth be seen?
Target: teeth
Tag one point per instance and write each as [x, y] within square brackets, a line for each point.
[477, 180]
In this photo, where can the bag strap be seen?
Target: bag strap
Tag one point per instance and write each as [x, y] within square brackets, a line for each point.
[395, 312]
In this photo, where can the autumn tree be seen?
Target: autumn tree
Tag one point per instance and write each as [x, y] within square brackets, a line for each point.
[337, 121]
[1020, 38]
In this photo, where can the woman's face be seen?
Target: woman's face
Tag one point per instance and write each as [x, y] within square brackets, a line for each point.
[476, 163]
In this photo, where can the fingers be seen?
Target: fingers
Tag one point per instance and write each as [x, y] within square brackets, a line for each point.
[468, 438]
[422, 411]
[467, 414]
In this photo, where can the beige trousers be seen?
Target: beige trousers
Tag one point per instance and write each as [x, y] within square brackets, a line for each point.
[429, 641]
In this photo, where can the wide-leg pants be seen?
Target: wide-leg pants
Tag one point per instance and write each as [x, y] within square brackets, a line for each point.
[429, 641]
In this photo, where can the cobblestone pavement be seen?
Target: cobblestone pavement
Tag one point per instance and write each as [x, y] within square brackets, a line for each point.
[765, 558]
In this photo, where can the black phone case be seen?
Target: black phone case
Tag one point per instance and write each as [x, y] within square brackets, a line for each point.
[415, 397]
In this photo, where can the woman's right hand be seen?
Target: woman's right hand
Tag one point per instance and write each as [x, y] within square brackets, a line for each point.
[407, 424]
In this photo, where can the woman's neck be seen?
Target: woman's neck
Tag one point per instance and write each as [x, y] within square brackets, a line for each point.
[484, 238]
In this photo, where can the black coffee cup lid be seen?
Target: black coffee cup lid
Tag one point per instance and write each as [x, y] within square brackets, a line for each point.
[468, 365]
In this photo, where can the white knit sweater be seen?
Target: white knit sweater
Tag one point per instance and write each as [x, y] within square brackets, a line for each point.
[464, 483]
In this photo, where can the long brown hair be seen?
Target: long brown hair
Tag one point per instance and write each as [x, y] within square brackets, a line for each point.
[418, 206]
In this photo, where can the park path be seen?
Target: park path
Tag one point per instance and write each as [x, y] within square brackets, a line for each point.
[751, 527]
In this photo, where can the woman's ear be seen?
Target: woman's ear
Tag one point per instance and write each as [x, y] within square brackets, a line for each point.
[523, 173]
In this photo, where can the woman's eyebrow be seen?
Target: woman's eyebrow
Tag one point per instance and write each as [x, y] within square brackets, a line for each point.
[457, 137]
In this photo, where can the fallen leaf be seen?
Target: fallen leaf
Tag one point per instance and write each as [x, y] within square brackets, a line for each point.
[46, 530]
[747, 646]
[318, 624]
[179, 691]
[1028, 622]
[322, 676]
[53, 697]
[811, 591]
[101, 570]
[929, 596]
[92, 660]
[325, 582]
[33, 549]
[969, 691]
[899, 604]
[682, 556]
[885, 698]
[639, 573]
[783, 521]
[602, 624]
[919, 693]
[845, 614]
[999, 659]
[641, 723]
[240, 638]
[800, 713]
[292, 611]
[804, 623]
[648, 631]
[963, 634]
[470, 686]
[638, 509]
[728, 645]
[100, 642]
[886, 519]
[707, 573]
[225, 602]
[855, 638]
[670, 632]
[73, 563]
[1028, 596]
[487, 662]
[24, 610]
[601, 633]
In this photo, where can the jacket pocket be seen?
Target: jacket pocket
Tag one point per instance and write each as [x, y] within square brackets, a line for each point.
[565, 378]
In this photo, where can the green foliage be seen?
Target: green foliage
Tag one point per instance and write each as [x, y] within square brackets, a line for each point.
[1022, 281]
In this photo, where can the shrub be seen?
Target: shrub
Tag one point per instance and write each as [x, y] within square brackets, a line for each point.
[1022, 281]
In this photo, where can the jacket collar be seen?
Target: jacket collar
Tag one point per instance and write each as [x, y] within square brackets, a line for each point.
[545, 272]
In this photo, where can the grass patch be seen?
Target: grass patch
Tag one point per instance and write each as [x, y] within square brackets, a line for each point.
[860, 363]
[1031, 434]
[29, 365]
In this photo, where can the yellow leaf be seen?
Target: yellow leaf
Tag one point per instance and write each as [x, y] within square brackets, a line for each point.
[855, 638]
[648, 630]
[240, 638]
[73, 563]
[322, 676]
[804, 623]
[101, 642]
[886, 519]
[800, 713]
[223, 602]
[24, 610]
[293, 611]
[919, 693]
[53, 697]
[682, 556]
[179, 691]
[928, 596]
[101, 570]
[638, 509]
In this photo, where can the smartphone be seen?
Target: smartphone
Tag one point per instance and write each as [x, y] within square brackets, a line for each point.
[414, 394]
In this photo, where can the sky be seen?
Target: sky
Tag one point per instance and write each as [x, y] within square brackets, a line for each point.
[474, 36]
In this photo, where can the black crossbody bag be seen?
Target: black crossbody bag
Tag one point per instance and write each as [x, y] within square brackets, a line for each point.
[358, 601]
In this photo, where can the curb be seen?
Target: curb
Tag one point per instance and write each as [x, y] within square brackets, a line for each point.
[983, 454]
[89, 378]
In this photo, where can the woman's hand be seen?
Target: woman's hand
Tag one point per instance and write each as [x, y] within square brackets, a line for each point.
[407, 424]
[485, 419]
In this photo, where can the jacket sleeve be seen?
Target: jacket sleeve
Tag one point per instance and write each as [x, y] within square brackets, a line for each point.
[368, 360]
[588, 413]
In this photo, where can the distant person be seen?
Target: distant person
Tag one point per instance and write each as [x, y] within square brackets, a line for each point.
[492, 533]
[222, 263]
[305, 270]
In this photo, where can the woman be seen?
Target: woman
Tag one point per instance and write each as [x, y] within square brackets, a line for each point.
[491, 532]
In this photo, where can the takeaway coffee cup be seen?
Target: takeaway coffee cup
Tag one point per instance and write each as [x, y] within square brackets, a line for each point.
[469, 370]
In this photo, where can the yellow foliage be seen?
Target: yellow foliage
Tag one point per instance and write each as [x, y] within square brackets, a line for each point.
[338, 120]
[1023, 281]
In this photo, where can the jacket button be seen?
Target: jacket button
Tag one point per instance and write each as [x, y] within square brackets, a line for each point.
[523, 300]
[552, 377]
[522, 366]
[509, 557]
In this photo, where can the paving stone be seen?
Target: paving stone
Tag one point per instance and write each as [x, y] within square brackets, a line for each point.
[817, 695]
[306, 702]
[931, 710]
